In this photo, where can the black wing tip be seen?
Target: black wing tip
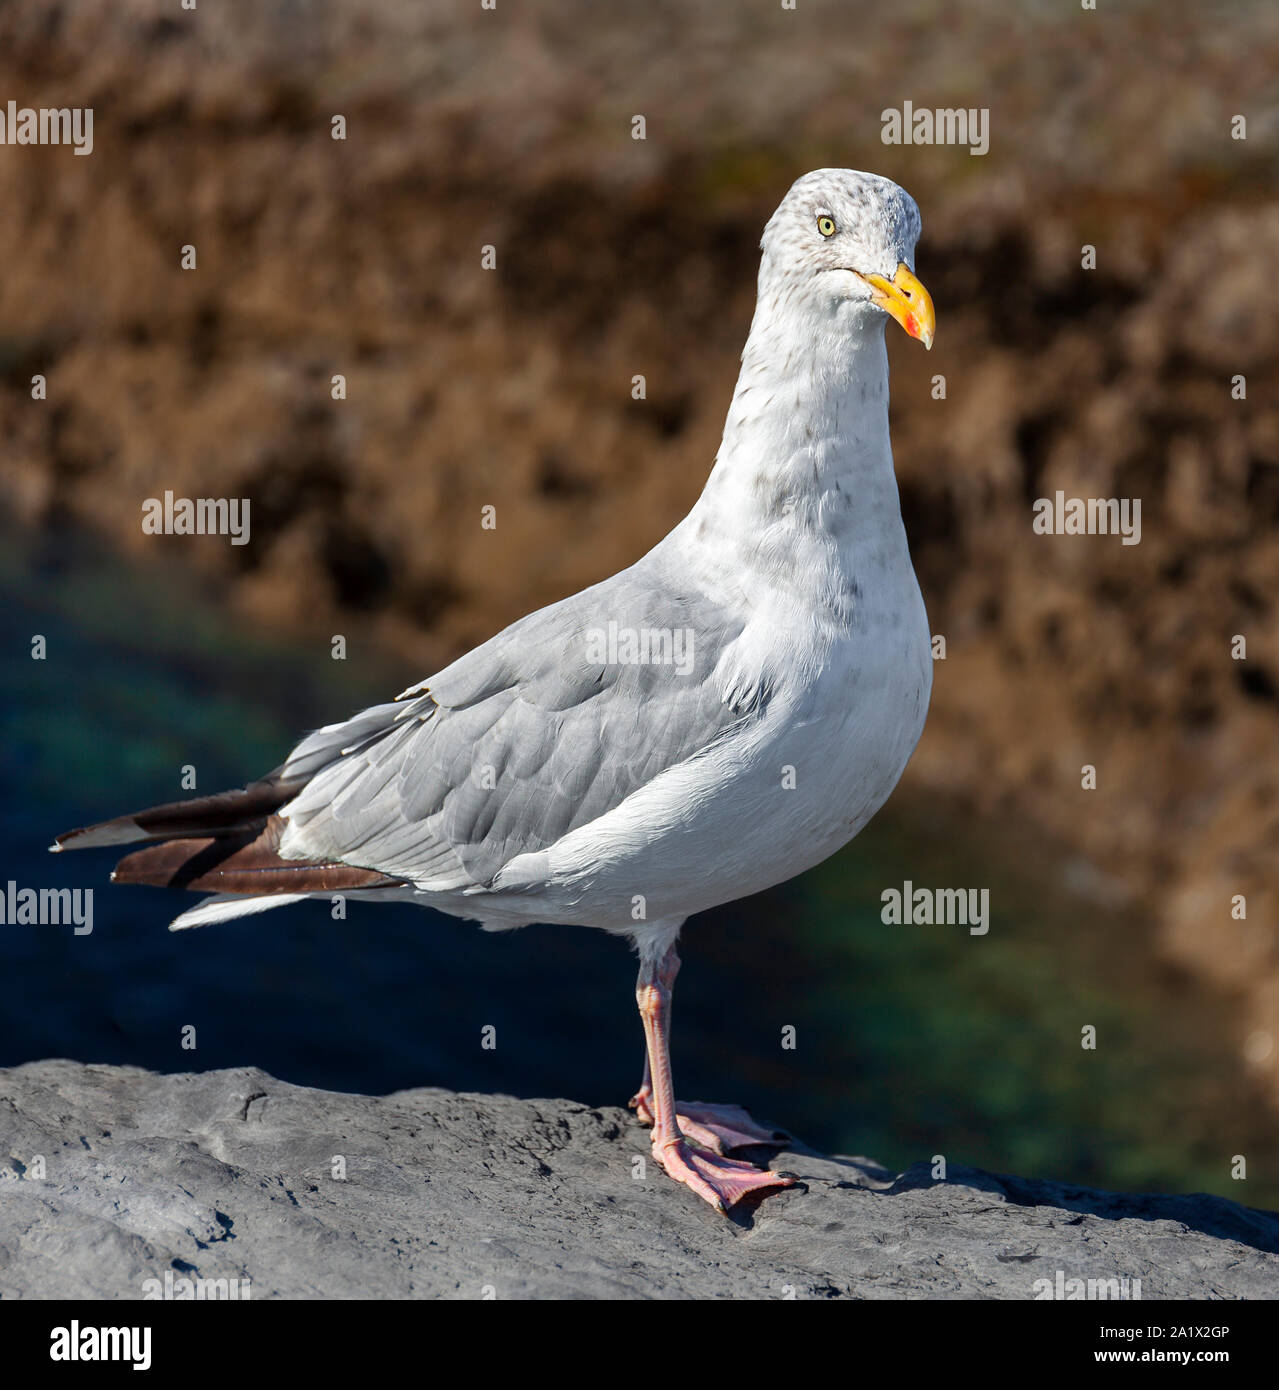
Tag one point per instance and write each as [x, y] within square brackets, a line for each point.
[223, 813]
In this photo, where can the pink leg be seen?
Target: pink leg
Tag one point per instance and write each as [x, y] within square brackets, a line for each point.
[717, 1180]
[719, 1128]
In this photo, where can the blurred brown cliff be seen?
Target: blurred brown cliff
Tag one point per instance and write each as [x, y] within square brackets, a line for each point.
[619, 257]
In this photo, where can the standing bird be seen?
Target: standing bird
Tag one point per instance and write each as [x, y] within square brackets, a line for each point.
[722, 715]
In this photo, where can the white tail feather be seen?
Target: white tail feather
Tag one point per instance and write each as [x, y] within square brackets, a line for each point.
[222, 907]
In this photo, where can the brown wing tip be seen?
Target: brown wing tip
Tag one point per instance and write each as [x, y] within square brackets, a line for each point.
[246, 864]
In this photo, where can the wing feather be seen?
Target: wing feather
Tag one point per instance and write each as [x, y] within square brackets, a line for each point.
[521, 741]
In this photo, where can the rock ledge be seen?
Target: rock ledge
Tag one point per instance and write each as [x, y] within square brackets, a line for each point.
[230, 1175]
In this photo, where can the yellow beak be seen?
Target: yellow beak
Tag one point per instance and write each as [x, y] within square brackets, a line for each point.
[907, 301]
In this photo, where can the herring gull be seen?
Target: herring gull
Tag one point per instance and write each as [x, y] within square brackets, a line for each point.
[722, 715]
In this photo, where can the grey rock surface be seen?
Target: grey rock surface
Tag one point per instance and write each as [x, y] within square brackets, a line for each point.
[231, 1175]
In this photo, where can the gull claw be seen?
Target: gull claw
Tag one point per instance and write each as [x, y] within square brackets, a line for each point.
[718, 1180]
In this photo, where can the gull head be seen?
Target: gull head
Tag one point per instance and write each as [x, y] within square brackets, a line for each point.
[844, 242]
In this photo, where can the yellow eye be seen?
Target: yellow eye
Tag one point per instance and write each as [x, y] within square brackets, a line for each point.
[826, 226]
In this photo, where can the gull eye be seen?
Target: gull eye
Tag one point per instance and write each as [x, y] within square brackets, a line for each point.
[826, 225]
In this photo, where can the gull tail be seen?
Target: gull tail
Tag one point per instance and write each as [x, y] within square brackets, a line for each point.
[222, 907]
[226, 844]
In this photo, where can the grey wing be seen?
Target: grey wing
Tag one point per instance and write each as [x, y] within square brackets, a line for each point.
[533, 734]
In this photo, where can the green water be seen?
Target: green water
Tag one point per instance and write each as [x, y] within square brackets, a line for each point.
[909, 1041]
[973, 1045]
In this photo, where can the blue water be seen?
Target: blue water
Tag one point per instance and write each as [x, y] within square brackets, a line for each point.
[909, 1041]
